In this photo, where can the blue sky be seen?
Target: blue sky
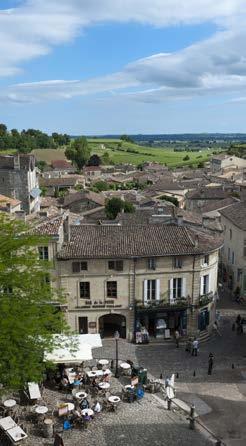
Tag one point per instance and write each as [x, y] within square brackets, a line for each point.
[132, 66]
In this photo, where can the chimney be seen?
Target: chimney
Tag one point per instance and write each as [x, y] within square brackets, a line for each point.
[180, 219]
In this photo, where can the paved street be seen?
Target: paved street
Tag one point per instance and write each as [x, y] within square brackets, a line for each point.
[220, 399]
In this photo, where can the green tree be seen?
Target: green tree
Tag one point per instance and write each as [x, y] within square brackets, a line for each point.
[126, 138]
[3, 129]
[28, 319]
[115, 205]
[105, 158]
[100, 186]
[78, 152]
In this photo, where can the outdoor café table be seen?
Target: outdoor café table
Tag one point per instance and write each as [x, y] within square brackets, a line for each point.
[87, 412]
[128, 387]
[70, 406]
[41, 410]
[104, 385]
[7, 423]
[125, 366]
[113, 399]
[81, 395]
[103, 362]
[9, 403]
[94, 373]
[16, 434]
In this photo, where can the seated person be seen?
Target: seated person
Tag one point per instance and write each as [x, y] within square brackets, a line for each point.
[106, 378]
[97, 407]
[84, 404]
[64, 381]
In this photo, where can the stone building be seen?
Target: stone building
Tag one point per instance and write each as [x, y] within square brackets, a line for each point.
[233, 219]
[117, 276]
[18, 180]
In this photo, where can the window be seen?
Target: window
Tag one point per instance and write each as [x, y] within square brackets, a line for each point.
[239, 274]
[112, 289]
[43, 253]
[177, 262]
[151, 263]
[151, 289]
[177, 288]
[230, 234]
[84, 290]
[206, 260]
[79, 266]
[232, 258]
[244, 248]
[204, 284]
[116, 265]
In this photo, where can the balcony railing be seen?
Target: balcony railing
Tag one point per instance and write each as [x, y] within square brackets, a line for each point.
[205, 299]
[163, 304]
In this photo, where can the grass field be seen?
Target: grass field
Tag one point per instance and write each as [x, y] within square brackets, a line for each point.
[124, 152]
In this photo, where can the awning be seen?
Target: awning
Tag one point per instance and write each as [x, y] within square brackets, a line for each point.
[35, 192]
[81, 349]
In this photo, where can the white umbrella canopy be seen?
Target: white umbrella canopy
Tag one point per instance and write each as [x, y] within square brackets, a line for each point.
[70, 350]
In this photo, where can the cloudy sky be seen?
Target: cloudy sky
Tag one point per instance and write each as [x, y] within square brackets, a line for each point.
[123, 66]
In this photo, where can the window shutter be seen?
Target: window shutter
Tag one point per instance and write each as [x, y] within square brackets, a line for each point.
[171, 291]
[201, 285]
[76, 267]
[145, 290]
[184, 287]
[157, 290]
[208, 284]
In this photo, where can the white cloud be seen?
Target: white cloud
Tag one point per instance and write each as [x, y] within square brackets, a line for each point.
[35, 26]
[216, 65]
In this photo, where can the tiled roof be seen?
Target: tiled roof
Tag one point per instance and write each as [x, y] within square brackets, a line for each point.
[50, 226]
[5, 200]
[165, 185]
[63, 181]
[136, 241]
[61, 164]
[207, 193]
[236, 214]
[218, 204]
[84, 196]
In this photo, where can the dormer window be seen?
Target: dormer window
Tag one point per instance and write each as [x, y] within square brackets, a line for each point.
[177, 262]
[151, 263]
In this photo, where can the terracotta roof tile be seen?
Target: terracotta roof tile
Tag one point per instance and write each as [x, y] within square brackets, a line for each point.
[136, 241]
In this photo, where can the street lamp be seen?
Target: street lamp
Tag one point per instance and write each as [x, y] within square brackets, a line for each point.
[116, 337]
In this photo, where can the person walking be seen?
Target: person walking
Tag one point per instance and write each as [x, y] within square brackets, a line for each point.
[210, 363]
[58, 441]
[194, 347]
[177, 337]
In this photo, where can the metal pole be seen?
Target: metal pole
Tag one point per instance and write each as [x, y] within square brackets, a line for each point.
[192, 417]
[117, 359]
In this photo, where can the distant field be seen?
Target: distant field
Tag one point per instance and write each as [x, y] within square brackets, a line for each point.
[130, 153]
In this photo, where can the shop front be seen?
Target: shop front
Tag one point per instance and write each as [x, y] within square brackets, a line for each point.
[161, 323]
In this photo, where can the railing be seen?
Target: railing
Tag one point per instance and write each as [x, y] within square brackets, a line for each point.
[205, 299]
[162, 304]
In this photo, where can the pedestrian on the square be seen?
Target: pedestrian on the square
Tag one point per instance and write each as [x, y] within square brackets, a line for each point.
[177, 337]
[194, 347]
[210, 363]
[58, 441]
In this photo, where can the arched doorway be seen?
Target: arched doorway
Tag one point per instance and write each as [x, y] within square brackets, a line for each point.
[110, 323]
